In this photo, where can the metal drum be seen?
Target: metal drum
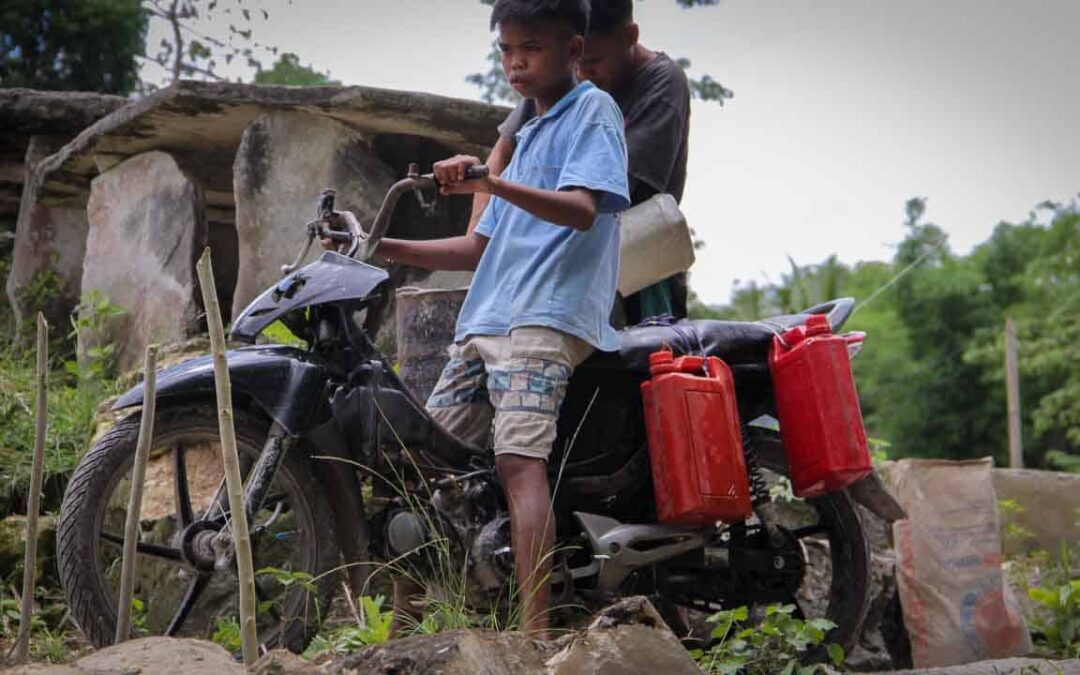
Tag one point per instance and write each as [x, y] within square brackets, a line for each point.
[425, 324]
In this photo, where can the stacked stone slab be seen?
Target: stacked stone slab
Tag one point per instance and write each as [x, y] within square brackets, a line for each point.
[47, 242]
[253, 159]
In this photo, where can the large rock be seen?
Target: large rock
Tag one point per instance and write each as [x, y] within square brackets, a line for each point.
[284, 161]
[50, 242]
[628, 638]
[459, 652]
[146, 231]
[146, 656]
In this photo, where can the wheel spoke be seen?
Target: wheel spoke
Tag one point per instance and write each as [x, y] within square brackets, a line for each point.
[153, 550]
[180, 488]
[198, 585]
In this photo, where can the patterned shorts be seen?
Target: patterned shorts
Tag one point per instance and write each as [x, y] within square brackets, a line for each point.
[507, 388]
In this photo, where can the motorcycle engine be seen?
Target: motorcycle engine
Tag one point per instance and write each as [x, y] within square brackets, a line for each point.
[463, 527]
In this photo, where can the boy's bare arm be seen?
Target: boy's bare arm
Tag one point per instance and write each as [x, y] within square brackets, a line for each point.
[497, 161]
[574, 208]
[453, 254]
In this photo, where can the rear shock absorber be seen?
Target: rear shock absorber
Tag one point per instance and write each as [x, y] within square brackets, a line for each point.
[759, 490]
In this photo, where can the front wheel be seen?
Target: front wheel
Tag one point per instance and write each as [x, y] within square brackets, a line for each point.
[179, 589]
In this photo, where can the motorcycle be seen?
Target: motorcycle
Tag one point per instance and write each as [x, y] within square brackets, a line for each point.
[346, 473]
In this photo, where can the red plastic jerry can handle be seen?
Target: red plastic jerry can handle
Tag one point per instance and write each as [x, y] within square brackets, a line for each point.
[817, 324]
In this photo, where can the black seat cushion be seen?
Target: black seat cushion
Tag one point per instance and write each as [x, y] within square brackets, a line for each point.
[736, 342]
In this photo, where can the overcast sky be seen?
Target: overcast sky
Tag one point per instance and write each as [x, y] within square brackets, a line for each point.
[843, 109]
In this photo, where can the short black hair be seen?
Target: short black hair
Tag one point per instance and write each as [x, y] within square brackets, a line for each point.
[605, 16]
[572, 13]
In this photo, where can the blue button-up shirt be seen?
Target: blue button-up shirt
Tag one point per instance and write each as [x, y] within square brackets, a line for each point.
[536, 273]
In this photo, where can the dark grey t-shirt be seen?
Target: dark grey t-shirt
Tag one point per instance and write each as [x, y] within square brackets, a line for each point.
[656, 111]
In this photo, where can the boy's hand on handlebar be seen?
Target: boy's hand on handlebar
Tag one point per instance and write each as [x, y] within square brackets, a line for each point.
[452, 176]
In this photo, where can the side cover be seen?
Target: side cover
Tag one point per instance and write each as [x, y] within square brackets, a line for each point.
[282, 381]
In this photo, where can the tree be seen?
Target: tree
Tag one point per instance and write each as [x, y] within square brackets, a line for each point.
[84, 45]
[190, 53]
[287, 70]
[494, 87]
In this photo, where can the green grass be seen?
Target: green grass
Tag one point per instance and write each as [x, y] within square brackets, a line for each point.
[72, 407]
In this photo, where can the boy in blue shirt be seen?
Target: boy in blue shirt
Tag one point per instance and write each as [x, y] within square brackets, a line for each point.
[546, 255]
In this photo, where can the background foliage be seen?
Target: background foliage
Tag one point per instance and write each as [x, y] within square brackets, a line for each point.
[89, 45]
[931, 377]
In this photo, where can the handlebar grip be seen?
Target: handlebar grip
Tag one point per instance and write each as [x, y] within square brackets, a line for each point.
[476, 172]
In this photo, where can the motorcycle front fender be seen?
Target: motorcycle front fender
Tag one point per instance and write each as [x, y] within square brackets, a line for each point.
[281, 381]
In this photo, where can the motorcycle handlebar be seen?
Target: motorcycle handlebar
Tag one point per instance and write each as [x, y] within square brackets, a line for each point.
[363, 244]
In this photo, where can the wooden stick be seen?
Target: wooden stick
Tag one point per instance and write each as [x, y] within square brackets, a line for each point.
[138, 477]
[230, 458]
[22, 642]
[1012, 396]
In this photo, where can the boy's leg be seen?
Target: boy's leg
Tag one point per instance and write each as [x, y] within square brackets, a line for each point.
[528, 374]
[459, 402]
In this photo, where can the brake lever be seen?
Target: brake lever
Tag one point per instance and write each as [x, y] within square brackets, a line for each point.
[312, 231]
[430, 206]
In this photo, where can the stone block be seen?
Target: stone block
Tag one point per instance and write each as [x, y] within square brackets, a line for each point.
[285, 160]
[50, 242]
[146, 230]
[1051, 507]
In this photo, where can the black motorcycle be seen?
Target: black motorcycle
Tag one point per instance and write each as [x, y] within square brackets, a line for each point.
[348, 475]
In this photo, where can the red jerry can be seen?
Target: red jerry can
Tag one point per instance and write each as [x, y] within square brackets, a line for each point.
[695, 441]
[820, 420]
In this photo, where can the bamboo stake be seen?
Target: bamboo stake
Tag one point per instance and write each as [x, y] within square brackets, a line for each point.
[230, 458]
[22, 642]
[1012, 396]
[138, 477]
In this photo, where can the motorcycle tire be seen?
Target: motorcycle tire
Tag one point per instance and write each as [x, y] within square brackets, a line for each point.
[849, 552]
[849, 587]
[90, 598]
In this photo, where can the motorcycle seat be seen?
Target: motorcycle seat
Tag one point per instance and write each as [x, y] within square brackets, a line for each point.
[736, 342]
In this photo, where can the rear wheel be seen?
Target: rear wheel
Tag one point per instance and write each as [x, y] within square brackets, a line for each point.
[820, 560]
[180, 589]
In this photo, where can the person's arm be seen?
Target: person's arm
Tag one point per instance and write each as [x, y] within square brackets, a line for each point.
[497, 161]
[453, 253]
[574, 208]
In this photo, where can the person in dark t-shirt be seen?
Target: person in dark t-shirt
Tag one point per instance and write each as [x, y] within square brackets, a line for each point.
[653, 93]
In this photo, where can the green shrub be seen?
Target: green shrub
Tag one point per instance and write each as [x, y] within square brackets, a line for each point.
[1048, 580]
[1057, 629]
[372, 628]
[775, 645]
